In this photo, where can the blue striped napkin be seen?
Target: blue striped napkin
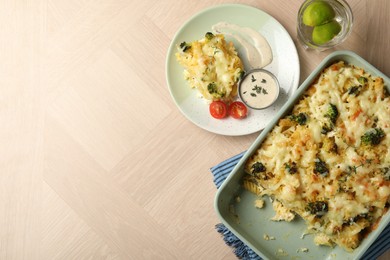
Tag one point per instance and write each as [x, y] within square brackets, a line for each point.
[242, 251]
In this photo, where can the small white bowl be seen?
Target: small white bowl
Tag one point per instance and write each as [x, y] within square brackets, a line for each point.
[258, 89]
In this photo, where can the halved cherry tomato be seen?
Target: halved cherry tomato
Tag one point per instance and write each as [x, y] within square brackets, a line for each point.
[238, 110]
[218, 109]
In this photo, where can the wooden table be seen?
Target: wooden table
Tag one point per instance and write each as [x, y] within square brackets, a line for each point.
[96, 160]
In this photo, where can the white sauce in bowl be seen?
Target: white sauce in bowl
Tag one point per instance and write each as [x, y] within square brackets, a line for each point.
[258, 89]
[257, 48]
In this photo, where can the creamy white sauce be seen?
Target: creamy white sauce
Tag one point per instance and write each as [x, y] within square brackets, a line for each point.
[257, 48]
[259, 89]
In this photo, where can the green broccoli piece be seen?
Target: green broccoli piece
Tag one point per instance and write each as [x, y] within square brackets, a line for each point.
[240, 75]
[362, 80]
[259, 171]
[258, 167]
[320, 167]
[363, 216]
[373, 136]
[185, 46]
[318, 208]
[209, 36]
[326, 129]
[332, 113]
[354, 90]
[291, 167]
[212, 88]
[301, 118]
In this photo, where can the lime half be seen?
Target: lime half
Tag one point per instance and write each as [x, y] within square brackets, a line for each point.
[318, 13]
[325, 32]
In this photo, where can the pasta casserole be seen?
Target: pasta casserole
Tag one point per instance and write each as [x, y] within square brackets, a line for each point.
[328, 159]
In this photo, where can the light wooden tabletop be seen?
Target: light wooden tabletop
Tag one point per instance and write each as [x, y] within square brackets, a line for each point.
[96, 160]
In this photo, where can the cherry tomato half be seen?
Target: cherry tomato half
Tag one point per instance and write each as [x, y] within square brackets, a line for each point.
[218, 109]
[238, 110]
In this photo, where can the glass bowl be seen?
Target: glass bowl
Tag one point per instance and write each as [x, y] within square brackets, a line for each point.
[343, 15]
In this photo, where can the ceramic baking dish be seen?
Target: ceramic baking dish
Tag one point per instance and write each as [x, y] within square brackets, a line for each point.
[235, 206]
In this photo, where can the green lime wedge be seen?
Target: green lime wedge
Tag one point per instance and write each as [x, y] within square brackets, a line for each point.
[325, 32]
[317, 13]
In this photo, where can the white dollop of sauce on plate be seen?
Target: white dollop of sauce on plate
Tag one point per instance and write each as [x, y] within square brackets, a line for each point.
[258, 50]
[259, 89]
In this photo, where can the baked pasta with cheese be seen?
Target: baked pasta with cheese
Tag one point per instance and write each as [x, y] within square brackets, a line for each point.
[328, 160]
[212, 66]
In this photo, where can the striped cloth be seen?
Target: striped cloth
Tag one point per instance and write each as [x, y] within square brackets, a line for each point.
[242, 251]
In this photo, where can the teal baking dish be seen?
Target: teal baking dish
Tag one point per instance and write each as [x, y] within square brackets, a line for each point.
[236, 210]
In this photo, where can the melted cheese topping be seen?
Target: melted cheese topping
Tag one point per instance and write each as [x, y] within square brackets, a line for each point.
[212, 66]
[320, 167]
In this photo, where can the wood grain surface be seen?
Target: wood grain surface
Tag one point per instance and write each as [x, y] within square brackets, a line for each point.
[96, 160]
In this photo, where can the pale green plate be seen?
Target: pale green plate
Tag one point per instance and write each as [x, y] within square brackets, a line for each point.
[285, 66]
[250, 224]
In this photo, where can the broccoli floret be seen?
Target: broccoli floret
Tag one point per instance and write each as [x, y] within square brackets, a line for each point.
[362, 80]
[320, 167]
[318, 208]
[373, 136]
[212, 88]
[332, 113]
[326, 129]
[185, 46]
[353, 220]
[291, 167]
[240, 75]
[209, 36]
[259, 171]
[258, 167]
[301, 118]
[354, 90]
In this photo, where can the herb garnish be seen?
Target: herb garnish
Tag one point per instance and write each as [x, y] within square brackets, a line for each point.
[258, 89]
[261, 90]
[253, 78]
